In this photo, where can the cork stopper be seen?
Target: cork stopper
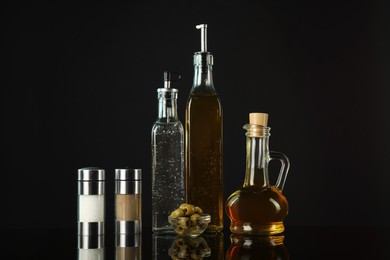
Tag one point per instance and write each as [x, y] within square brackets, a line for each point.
[258, 119]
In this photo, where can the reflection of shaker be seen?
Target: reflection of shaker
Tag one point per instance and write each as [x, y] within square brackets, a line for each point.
[91, 254]
[91, 207]
[128, 247]
[128, 201]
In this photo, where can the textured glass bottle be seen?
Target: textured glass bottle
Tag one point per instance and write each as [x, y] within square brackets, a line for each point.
[168, 177]
[204, 140]
[259, 208]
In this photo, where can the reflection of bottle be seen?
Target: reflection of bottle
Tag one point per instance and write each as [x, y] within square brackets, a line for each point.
[204, 140]
[161, 245]
[128, 247]
[189, 248]
[257, 247]
[215, 242]
[168, 178]
[259, 208]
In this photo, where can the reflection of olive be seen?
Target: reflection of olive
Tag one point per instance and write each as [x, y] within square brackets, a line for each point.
[177, 213]
[195, 242]
[195, 255]
[184, 251]
[179, 242]
[189, 248]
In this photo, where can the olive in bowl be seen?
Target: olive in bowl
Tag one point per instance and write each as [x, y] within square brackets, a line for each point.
[189, 220]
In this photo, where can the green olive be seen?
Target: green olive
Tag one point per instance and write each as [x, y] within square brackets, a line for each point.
[188, 209]
[199, 210]
[179, 230]
[177, 213]
[195, 218]
[184, 223]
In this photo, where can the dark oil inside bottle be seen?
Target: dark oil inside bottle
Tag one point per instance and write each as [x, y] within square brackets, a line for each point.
[204, 156]
[257, 210]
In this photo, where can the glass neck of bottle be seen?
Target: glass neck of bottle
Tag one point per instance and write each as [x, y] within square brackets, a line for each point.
[257, 153]
[167, 109]
[203, 76]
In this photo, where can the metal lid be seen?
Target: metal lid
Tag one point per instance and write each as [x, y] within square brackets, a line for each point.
[128, 174]
[91, 174]
[203, 59]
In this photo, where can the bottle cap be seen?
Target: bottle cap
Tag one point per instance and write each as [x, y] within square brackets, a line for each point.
[203, 58]
[128, 181]
[91, 174]
[258, 119]
[128, 174]
[203, 36]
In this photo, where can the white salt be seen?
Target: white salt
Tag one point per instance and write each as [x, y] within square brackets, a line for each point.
[91, 208]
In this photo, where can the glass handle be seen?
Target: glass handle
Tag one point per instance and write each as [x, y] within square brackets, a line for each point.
[285, 166]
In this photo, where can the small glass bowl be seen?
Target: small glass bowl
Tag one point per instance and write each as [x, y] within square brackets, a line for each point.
[183, 226]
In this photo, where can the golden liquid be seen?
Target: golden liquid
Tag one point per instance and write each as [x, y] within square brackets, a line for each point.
[257, 210]
[204, 156]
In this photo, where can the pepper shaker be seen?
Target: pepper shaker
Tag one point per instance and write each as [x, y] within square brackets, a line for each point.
[128, 201]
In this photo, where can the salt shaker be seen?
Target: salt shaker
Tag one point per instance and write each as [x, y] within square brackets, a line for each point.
[91, 201]
[128, 201]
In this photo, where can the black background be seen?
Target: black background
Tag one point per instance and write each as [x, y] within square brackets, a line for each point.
[80, 90]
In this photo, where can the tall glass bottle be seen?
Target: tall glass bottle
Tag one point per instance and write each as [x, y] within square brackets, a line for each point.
[259, 208]
[168, 177]
[204, 139]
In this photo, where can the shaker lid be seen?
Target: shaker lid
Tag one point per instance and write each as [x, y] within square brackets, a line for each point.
[258, 119]
[91, 174]
[128, 174]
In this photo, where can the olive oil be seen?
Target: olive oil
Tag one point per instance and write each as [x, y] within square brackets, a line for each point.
[263, 209]
[204, 140]
[259, 208]
[204, 153]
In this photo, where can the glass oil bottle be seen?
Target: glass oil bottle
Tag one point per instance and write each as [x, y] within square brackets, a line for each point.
[259, 208]
[204, 140]
[168, 176]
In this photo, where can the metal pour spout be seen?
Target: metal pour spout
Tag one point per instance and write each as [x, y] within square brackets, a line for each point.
[170, 77]
[203, 36]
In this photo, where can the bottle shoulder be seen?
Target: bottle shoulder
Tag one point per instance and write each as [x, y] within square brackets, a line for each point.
[203, 90]
[201, 101]
[264, 192]
[162, 124]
